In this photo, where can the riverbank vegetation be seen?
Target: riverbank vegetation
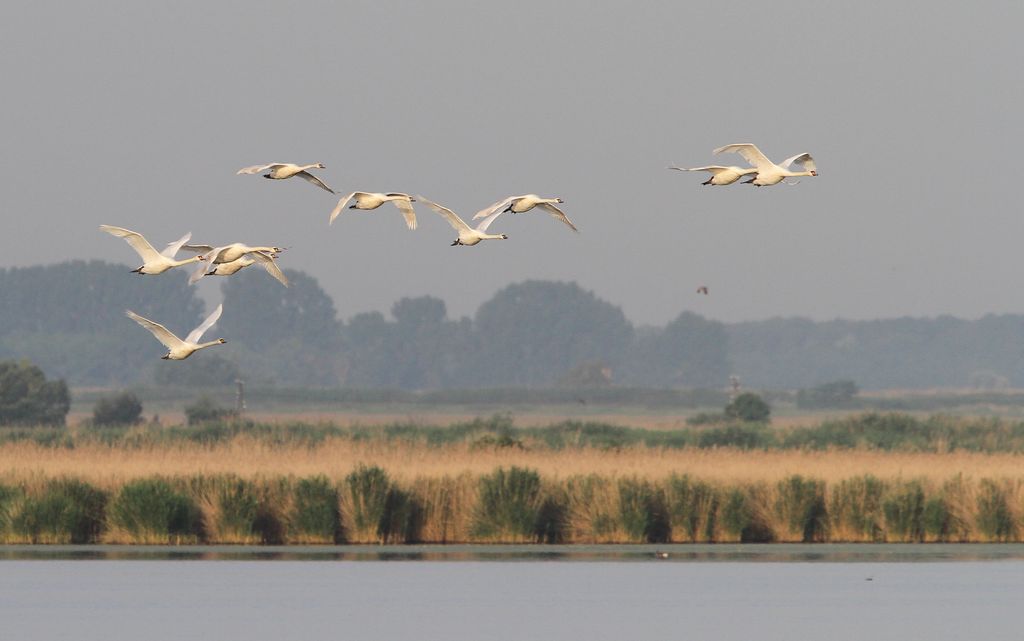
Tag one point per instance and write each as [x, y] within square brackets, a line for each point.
[864, 478]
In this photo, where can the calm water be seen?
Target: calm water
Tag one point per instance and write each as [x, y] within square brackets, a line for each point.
[721, 593]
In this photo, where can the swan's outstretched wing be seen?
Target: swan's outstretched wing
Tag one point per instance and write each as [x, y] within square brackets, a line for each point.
[135, 239]
[449, 215]
[255, 169]
[714, 169]
[305, 175]
[501, 204]
[173, 248]
[486, 222]
[197, 333]
[749, 152]
[557, 213]
[340, 207]
[269, 264]
[196, 249]
[162, 334]
[803, 160]
[206, 264]
[408, 212]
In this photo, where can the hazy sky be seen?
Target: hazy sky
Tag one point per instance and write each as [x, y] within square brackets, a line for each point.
[139, 116]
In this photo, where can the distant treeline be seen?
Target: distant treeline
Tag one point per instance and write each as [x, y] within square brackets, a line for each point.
[508, 505]
[68, 318]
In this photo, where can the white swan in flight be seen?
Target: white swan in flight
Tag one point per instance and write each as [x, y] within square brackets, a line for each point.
[177, 349]
[235, 266]
[283, 170]
[153, 262]
[720, 175]
[768, 173]
[524, 203]
[213, 256]
[467, 235]
[373, 200]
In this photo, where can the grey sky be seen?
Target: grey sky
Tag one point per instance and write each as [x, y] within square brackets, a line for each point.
[138, 116]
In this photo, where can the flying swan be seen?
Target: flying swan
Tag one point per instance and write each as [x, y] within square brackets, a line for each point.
[720, 175]
[467, 235]
[283, 170]
[153, 262]
[213, 257]
[524, 203]
[177, 349]
[372, 200]
[768, 173]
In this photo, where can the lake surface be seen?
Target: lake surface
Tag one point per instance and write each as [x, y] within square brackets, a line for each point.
[721, 593]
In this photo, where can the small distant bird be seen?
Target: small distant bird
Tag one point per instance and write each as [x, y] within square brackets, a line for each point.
[702, 290]
[467, 235]
[521, 204]
[768, 173]
[179, 350]
[153, 262]
[661, 555]
[720, 175]
[283, 170]
[372, 200]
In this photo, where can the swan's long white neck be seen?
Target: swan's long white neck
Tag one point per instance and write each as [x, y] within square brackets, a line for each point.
[208, 344]
[791, 174]
[179, 263]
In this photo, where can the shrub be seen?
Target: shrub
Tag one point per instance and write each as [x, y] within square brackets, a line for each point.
[368, 489]
[315, 516]
[27, 398]
[994, 517]
[117, 409]
[643, 511]
[904, 513]
[206, 410]
[238, 508]
[692, 508]
[801, 506]
[837, 394]
[741, 519]
[8, 500]
[151, 510]
[749, 407]
[65, 511]
[509, 505]
[744, 436]
[856, 509]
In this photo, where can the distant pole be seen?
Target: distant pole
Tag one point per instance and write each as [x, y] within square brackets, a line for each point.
[240, 396]
[734, 387]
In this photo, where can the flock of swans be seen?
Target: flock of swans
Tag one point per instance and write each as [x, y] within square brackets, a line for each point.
[226, 260]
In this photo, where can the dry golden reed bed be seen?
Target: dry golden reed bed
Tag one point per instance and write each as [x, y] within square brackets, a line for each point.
[250, 458]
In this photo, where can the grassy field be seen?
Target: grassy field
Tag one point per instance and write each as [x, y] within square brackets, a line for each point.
[868, 477]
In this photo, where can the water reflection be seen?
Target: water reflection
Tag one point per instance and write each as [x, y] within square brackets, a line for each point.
[777, 553]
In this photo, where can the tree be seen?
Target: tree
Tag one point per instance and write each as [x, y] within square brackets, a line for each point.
[748, 407]
[69, 318]
[117, 409]
[690, 352]
[532, 333]
[27, 398]
[290, 334]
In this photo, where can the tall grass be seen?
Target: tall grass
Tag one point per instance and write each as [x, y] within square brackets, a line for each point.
[510, 505]
[154, 511]
[315, 513]
[60, 511]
